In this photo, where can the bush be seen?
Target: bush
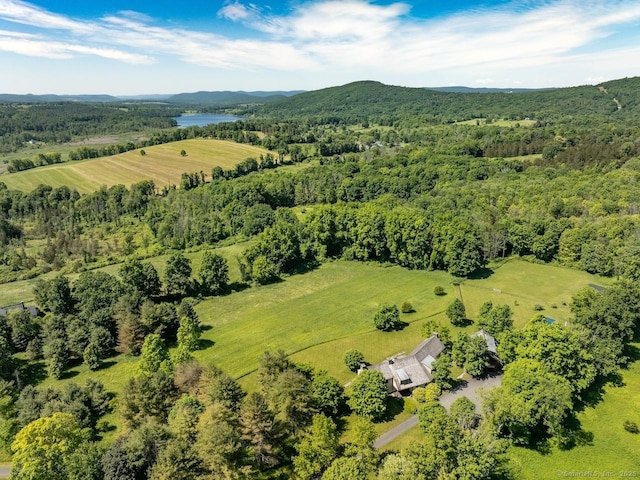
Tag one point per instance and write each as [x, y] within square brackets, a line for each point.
[631, 427]
[538, 307]
[438, 290]
[432, 392]
[353, 359]
[387, 318]
[406, 307]
[418, 394]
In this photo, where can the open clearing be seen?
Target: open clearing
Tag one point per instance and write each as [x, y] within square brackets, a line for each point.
[316, 317]
[162, 163]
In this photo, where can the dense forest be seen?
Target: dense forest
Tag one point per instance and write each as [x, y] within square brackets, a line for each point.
[365, 173]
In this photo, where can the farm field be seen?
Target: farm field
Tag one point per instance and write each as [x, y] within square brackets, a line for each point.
[162, 163]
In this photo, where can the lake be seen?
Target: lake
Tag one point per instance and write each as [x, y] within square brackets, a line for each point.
[203, 119]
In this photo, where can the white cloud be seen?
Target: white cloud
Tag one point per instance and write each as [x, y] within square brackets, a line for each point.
[39, 48]
[348, 39]
[235, 12]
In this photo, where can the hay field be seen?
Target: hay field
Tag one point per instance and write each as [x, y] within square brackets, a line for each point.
[162, 163]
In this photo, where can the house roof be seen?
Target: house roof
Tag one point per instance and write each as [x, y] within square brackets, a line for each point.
[33, 310]
[491, 341]
[431, 346]
[413, 370]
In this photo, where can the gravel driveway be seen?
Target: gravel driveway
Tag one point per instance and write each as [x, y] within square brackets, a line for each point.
[469, 388]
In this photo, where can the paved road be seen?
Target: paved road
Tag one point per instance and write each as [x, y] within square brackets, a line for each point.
[396, 431]
[4, 471]
[469, 388]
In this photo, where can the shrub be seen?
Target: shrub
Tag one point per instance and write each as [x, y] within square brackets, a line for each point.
[432, 392]
[538, 308]
[438, 290]
[406, 307]
[418, 394]
[353, 359]
[631, 427]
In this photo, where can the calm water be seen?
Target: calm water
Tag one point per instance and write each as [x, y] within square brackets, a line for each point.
[202, 119]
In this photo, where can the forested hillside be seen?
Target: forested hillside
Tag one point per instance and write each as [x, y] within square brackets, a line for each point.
[377, 103]
[138, 285]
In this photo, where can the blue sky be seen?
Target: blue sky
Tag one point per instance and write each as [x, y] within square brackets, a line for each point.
[139, 47]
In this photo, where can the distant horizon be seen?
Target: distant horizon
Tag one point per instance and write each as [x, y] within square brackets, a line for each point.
[151, 94]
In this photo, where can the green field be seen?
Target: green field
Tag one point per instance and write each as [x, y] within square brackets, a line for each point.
[162, 163]
[317, 316]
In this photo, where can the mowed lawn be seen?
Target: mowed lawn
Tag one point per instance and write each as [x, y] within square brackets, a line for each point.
[162, 163]
[526, 286]
[318, 316]
[335, 302]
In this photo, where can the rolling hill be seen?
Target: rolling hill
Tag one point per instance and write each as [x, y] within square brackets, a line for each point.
[369, 100]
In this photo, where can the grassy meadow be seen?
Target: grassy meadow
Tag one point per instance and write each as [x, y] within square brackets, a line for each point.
[317, 316]
[162, 163]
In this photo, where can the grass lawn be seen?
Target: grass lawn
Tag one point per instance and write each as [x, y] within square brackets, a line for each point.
[333, 303]
[523, 285]
[162, 163]
[612, 449]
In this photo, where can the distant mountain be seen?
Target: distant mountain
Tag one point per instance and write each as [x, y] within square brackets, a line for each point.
[461, 89]
[222, 98]
[226, 98]
[367, 101]
[145, 98]
[30, 98]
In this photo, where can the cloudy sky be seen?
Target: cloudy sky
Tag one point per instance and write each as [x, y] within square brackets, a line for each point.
[129, 47]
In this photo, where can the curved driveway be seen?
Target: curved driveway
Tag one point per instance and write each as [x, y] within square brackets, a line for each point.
[468, 388]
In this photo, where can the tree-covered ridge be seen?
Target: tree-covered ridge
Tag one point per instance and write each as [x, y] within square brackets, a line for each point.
[377, 103]
[63, 122]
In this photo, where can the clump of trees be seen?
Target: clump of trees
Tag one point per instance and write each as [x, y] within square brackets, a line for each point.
[387, 318]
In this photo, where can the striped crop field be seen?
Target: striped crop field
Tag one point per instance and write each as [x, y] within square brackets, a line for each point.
[162, 163]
